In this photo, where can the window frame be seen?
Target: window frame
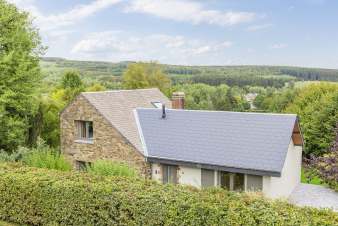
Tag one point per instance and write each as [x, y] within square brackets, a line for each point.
[169, 169]
[84, 131]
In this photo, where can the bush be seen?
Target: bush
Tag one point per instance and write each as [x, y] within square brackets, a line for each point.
[47, 159]
[49, 197]
[109, 168]
[14, 156]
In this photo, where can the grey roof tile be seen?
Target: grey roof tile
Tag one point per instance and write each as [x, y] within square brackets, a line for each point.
[256, 141]
[117, 107]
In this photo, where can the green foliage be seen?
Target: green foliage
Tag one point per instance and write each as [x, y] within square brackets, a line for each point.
[71, 79]
[19, 75]
[15, 156]
[108, 74]
[223, 98]
[44, 197]
[315, 104]
[145, 75]
[42, 156]
[109, 168]
[317, 107]
[310, 176]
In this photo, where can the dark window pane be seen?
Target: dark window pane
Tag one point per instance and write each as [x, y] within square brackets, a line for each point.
[225, 180]
[165, 174]
[239, 182]
[90, 130]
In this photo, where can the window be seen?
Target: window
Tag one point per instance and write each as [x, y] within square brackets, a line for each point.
[169, 174]
[231, 181]
[254, 183]
[84, 130]
[238, 182]
[157, 104]
[82, 165]
[207, 178]
[225, 180]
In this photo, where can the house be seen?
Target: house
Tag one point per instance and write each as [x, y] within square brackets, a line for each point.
[101, 125]
[234, 150]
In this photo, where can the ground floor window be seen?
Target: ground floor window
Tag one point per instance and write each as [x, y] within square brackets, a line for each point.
[169, 174]
[82, 165]
[207, 178]
[254, 183]
[231, 181]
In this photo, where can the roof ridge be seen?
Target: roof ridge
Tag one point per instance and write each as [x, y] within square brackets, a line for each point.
[215, 111]
[119, 90]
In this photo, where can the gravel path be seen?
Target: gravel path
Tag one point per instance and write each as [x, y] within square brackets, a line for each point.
[314, 196]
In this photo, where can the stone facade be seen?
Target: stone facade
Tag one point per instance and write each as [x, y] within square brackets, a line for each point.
[107, 142]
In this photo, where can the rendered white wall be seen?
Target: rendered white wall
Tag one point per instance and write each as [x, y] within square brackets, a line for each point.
[189, 176]
[281, 187]
[156, 173]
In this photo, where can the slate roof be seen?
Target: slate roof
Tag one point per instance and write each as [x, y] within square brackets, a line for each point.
[117, 107]
[238, 142]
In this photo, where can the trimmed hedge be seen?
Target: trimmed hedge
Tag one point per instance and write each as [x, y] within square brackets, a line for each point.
[49, 197]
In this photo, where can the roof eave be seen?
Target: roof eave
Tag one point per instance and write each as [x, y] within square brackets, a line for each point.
[214, 167]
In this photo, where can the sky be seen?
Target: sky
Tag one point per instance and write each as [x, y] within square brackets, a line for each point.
[190, 32]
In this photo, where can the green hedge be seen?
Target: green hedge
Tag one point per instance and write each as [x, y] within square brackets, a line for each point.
[48, 197]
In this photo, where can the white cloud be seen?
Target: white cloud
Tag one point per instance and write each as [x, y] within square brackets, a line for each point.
[188, 11]
[70, 17]
[279, 46]
[259, 27]
[118, 46]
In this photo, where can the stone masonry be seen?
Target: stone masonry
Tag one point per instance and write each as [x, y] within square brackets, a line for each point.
[107, 143]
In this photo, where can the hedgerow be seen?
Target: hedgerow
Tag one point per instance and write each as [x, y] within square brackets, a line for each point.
[48, 197]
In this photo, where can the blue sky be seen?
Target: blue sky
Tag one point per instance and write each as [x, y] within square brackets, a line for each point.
[227, 32]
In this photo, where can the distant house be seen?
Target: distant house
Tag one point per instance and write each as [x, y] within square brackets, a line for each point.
[233, 150]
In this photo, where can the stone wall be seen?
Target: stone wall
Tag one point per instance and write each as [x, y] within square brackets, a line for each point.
[107, 143]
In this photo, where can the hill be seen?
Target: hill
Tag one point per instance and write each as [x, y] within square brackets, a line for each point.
[107, 72]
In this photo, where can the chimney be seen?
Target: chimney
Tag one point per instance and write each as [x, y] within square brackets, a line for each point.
[177, 100]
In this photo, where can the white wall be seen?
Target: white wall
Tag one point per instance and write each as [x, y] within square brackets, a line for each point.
[281, 187]
[156, 173]
[189, 176]
[185, 175]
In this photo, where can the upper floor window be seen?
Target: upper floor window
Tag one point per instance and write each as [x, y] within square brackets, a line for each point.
[84, 130]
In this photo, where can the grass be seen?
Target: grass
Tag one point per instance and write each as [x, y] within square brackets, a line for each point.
[109, 168]
[47, 159]
[308, 176]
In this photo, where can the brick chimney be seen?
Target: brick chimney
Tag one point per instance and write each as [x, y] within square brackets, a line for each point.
[177, 100]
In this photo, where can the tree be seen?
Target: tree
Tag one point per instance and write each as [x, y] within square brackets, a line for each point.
[317, 107]
[72, 85]
[72, 80]
[19, 75]
[145, 75]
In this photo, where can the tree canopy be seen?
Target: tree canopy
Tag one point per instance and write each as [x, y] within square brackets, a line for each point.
[145, 75]
[19, 75]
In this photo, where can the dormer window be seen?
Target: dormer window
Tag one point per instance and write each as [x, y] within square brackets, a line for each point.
[157, 104]
[84, 130]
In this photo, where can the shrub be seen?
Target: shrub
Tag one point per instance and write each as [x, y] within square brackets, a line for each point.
[47, 159]
[49, 197]
[14, 156]
[109, 168]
